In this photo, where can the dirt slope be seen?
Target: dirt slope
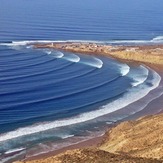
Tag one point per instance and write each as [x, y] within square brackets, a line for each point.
[92, 156]
[139, 141]
[141, 138]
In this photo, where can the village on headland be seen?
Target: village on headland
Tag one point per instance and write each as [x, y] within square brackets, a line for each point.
[144, 53]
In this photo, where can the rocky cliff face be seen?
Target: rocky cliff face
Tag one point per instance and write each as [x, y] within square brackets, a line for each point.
[139, 141]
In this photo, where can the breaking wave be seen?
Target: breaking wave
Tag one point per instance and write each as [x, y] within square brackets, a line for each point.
[14, 150]
[124, 69]
[139, 76]
[158, 39]
[56, 54]
[72, 58]
[68, 57]
[133, 94]
[94, 62]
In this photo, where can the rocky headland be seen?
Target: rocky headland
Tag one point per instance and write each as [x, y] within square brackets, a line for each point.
[145, 53]
[138, 141]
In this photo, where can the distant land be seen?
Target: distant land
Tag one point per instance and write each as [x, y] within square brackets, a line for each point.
[152, 54]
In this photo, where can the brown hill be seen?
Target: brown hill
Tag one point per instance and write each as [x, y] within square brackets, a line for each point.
[140, 138]
[139, 141]
[92, 156]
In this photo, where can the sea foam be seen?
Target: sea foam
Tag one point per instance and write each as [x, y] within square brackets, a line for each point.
[14, 150]
[93, 62]
[55, 54]
[139, 76]
[131, 96]
[72, 57]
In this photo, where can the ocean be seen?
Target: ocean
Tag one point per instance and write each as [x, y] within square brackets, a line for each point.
[50, 99]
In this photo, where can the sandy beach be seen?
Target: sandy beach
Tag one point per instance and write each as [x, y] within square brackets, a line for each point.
[154, 107]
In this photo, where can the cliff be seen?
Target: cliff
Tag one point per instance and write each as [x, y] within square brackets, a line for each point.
[139, 141]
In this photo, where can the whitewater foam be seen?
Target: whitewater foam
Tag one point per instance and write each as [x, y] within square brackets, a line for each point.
[14, 150]
[124, 69]
[93, 62]
[55, 54]
[139, 76]
[158, 38]
[67, 136]
[72, 58]
[131, 96]
[4, 160]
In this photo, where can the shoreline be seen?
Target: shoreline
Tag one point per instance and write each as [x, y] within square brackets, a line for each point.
[94, 142]
[150, 54]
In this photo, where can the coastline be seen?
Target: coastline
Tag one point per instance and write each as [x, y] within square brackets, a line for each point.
[150, 54]
[94, 142]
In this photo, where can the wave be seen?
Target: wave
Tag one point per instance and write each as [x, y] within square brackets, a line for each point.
[60, 96]
[23, 66]
[131, 96]
[24, 43]
[68, 57]
[14, 157]
[14, 150]
[72, 58]
[5, 79]
[157, 39]
[66, 136]
[56, 54]
[124, 69]
[94, 62]
[139, 76]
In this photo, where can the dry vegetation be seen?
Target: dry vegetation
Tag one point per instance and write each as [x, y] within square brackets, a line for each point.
[139, 141]
[146, 54]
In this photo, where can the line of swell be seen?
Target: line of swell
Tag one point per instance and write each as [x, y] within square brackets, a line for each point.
[29, 65]
[21, 60]
[22, 64]
[75, 108]
[11, 54]
[36, 74]
[35, 87]
[63, 96]
[82, 117]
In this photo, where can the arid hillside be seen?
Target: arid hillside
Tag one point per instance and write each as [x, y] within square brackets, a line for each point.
[139, 141]
[140, 138]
